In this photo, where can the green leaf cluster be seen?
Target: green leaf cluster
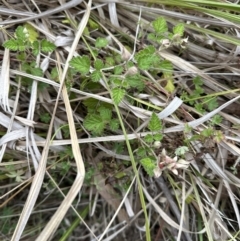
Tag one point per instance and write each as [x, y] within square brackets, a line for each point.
[32, 69]
[81, 64]
[147, 58]
[26, 42]
[26, 39]
[45, 117]
[120, 85]
[154, 125]
[101, 42]
[99, 117]
[149, 165]
[196, 97]
[162, 32]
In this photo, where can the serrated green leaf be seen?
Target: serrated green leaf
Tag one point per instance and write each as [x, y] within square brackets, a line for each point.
[36, 71]
[21, 33]
[147, 59]
[47, 46]
[54, 74]
[22, 45]
[36, 48]
[160, 25]
[114, 124]
[96, 76]
[11, 44]
[152, 36]
[45, 117]
[135, 81]
[158, 137]
[118, 58]
[98, 64]
[141, 151]
[105, 113]
[118, 147]
[21, 56]
[149, 50]
[199, 108]
[109, 61]
[144, 62]
[212, 104]
[118, 70]
[42, 86]
[197, 81]
[94, 104]
[217, 119]
[101, 42]
[116, 81]
[148, 138]
[149, 165]
[181, 150]
[94, 123]
[179, 29]
[166, 66]
[155, 123]
[118, 95]
[81, 64]
[207, 132]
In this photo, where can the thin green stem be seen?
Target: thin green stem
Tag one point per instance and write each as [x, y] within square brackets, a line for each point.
[134, 166]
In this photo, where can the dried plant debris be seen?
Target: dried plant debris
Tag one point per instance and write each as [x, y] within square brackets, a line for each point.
[119, 120]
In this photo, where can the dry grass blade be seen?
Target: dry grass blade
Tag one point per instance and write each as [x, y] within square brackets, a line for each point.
[4, 81]
[51, 227]
[164, 215]
[135, 80]
[38, 178]
[61, 8]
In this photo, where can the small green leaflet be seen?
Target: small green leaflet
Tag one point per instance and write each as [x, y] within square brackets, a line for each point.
[45, 117]
[149, 165]
[81, 64]
[160, 25]
[158, 137]
[114, 124]
[147, 58]
[118, 70]
[98, 64]
[36, 48]
[21, 33]
[148, 138]
[155, 123]
[179, 29]
[197, 81]
[212, 103]
[101, 43]
[118, 95]
[105, 113]
[135, 81]
[47, 46]
[181, 150]
[94, 123]
[166, 65]
[96, 76]
[15, 45]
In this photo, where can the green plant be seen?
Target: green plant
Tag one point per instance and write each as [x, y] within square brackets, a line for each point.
[27, 45]
[19, 175]
[125, 77]
[201, 102]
